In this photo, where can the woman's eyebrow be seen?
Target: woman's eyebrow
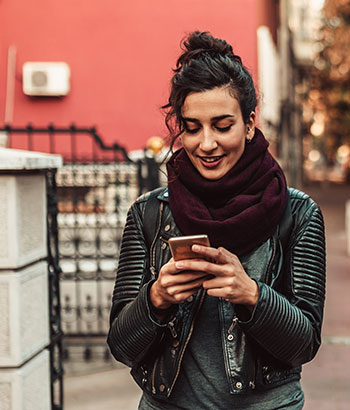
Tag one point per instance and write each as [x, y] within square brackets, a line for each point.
[190, 119]
[218, 118]
[221, 117]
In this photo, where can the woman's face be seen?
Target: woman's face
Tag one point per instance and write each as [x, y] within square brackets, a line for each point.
[215, 133]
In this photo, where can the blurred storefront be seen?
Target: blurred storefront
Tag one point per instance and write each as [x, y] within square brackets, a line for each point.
[298, 27]
[319, 39]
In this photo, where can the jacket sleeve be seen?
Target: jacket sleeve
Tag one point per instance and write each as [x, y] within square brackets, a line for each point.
[289, 326]
[133, 327]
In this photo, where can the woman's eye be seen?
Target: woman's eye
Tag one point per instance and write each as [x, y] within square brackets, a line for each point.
[224, 129]
[192, 130]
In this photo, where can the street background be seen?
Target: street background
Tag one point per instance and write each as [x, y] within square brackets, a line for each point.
[86, 80]
[325, 380]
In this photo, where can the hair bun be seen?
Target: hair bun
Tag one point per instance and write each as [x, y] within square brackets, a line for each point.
[199, 44]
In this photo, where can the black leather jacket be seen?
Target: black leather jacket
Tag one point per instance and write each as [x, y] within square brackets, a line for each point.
[262, 349]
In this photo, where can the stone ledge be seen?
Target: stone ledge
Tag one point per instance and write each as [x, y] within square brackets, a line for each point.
[22, 220]
[24, 318]
[15, 159]
[27, 387]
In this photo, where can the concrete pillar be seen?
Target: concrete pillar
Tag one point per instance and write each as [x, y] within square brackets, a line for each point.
[24, 305]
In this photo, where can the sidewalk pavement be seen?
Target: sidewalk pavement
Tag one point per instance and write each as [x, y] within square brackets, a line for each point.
[326, 380]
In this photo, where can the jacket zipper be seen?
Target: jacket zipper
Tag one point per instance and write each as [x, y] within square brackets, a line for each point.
[252, 382]
[268, 274]
[172, 328]
[233, 325]
[229, 331]
[268, 282]
[224, 349]
[185, 345]
[154, 368]
[153, 246]
[230, 338]
[174, 335]
[153, 272]
[154, 375]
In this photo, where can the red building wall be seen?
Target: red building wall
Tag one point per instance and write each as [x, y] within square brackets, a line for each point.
[120, 54]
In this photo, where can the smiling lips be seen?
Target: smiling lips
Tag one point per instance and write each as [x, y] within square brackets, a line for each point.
[211, 162]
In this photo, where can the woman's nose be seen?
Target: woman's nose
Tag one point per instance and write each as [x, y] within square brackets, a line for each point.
[208, 141]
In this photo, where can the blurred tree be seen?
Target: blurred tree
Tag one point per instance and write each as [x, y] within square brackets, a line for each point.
[328, 92]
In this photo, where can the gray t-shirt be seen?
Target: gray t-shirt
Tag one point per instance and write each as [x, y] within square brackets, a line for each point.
[202, 382]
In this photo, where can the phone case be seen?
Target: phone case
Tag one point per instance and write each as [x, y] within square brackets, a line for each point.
[181, 246]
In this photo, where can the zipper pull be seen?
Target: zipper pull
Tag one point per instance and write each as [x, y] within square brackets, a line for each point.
[153, 272]
[172, 328]
[233, 325]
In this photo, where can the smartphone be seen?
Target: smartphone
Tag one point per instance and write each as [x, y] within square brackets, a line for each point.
[181, 246]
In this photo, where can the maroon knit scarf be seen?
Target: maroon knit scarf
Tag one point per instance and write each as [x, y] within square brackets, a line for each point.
[240, 210]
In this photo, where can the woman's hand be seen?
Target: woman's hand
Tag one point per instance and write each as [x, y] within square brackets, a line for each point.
[175, 284]
[227, 277]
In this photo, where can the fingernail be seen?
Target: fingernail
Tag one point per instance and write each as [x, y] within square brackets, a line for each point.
[179, 264]
[195, 247]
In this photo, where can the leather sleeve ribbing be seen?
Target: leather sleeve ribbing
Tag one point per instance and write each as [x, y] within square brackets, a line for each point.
[290, 330]
[132, 327]
[131, 264]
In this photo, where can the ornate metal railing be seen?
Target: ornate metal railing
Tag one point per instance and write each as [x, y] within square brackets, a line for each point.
[88, 200]
[56, 334]
[93, 201]
[81, 144]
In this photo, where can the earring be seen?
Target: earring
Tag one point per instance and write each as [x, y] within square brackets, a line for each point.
[249, 140]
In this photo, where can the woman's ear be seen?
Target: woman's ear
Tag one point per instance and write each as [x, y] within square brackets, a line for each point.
[250, 127]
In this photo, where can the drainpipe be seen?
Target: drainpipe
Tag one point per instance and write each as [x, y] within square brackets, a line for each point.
[10, 92]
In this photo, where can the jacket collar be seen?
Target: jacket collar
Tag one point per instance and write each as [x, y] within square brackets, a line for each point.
[164, 195]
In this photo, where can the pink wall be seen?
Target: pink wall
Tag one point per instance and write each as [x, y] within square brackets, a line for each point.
[120, 53]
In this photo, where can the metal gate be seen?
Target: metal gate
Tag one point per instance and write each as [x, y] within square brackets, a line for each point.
[88, 200]
[54, 270]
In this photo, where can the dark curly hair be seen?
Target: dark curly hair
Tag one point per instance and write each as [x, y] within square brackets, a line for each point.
[207, 63]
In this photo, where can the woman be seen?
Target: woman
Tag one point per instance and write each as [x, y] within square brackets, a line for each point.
[231, 327]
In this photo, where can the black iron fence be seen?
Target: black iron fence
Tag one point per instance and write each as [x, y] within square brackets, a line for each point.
[74, 143]
[88, 200]
[54, 270]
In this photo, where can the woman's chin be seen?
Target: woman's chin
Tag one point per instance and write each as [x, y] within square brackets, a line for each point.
[212, 174]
